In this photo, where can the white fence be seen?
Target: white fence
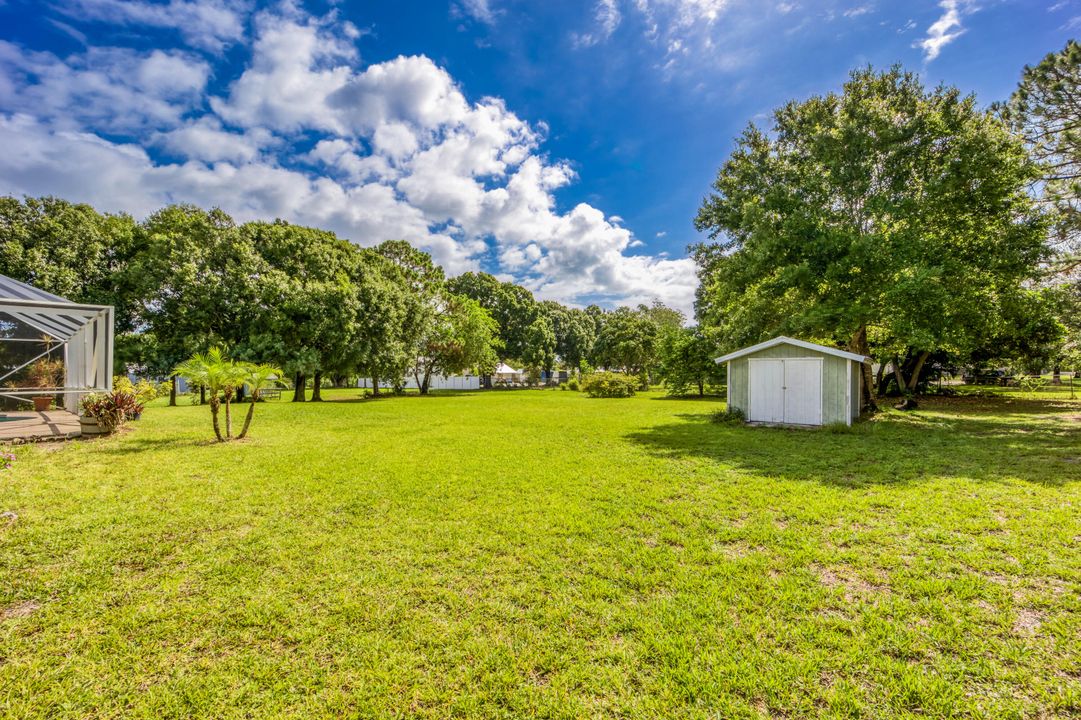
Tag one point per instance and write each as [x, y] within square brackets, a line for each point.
[436, 382]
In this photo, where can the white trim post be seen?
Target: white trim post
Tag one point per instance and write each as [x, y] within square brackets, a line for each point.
[848, 391]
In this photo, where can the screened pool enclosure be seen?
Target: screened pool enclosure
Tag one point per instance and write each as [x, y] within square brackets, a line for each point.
[51, 347]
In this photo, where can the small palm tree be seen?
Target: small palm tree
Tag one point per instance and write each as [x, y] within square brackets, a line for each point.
[220, 376]
[259, 378]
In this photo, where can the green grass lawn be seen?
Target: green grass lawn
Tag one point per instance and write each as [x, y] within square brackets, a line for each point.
[543, 554]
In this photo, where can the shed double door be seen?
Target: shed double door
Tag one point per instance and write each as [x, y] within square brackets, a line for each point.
[786, 391]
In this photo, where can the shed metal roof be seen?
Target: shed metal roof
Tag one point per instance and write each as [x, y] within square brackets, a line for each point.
[783, 340]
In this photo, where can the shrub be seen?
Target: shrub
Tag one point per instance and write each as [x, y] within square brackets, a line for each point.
[610, 385]
[112, 410]
[144, 390]
[1033, 384]
[734, 416]
[572, 384]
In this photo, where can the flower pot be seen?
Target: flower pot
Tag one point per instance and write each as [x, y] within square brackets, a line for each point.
[43, 403]
[90, 426]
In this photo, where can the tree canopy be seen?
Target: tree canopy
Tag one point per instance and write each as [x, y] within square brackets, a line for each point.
[1046, 111]
[885, 216]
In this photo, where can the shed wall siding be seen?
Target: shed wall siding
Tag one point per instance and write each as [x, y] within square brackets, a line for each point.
[834, 379]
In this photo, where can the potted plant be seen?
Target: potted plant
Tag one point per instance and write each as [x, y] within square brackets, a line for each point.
[45, 373]
[105, 412]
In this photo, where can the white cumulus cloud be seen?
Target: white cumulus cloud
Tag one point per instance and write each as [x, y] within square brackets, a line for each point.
[307, 133]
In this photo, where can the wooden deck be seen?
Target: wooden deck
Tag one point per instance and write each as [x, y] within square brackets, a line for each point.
[32, 426]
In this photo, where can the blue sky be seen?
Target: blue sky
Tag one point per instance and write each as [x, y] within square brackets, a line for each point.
[565, 145]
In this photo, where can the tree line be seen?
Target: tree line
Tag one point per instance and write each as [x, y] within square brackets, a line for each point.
[904, 223]
[186, 280]
[900, 222]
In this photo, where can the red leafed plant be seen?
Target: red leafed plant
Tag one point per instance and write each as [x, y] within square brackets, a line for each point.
[113, 409]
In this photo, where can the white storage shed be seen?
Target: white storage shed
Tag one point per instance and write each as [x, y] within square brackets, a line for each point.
[785, 381]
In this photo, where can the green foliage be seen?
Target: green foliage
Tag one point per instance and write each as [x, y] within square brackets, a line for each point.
[540, 345]
[222, 377]
[1032, 384]
[687, 362]
[512, 306]
[572, 384]
[1044, 111]
[575, 332]
[390, 317]
[733, 416]
[605, 384]
[112, 409]
[627, 341]
[887, 216]
[143, 390]
[73, 251]
[460, 336]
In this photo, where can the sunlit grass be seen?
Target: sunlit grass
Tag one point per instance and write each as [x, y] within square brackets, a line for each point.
[542, 554]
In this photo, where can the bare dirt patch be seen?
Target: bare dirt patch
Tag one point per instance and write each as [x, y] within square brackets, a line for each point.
[19, 610]
[854, 587]
[1027, 622]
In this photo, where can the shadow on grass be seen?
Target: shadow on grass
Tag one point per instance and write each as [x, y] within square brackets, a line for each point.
[386, 396]
[135, 444]
[993, 445]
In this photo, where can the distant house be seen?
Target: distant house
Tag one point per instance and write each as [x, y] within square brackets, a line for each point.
[785, 381]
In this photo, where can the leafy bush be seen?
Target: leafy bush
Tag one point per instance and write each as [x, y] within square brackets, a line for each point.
[112, 410]
[144, 390]
[610, 385]
[1033, 384]
[572, 384]
[733, 416]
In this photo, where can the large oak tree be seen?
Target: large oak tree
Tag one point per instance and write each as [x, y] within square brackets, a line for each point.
[886, 217]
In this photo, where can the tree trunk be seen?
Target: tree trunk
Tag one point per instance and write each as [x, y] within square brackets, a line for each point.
[375, 385]
[858, 344]
[228, 414]
[901, 384]
[317, 383]
[172, 391]
[914, 378]
[240, 394]
[248, 417]
[427, 380]
[880, 379]
[298, 388]
[202, 394]
[701, 388]
[214, 416]
[1056, 375]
